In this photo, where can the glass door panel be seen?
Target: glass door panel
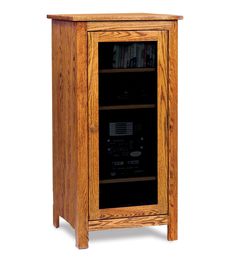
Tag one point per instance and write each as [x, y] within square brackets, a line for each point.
[127, 124]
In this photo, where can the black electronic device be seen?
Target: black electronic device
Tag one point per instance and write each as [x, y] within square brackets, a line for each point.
[127, 149]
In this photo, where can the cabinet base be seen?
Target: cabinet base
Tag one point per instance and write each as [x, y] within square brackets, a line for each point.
[128, 222]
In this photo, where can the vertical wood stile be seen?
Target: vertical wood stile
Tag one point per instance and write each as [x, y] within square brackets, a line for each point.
[93, 125]
[162, 108]
[173, 133]
[81, 223]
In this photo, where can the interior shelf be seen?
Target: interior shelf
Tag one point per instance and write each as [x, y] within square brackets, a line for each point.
[128, 70]
[129, 179]
[127, 106]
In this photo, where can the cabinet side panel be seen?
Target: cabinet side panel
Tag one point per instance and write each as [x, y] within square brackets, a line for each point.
[64, 118]
[173, 133]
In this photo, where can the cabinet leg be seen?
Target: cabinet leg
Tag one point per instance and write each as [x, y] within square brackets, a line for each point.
[172, 231]
[55, 217]
[81, 239]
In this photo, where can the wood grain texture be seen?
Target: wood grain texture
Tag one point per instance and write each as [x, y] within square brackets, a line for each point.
[76, 121]
[128, 222]
[64, 121]
[128, 25]
[127, 36]
[114, 17]
[144, 210]
[162, 206]
[56, 217]
[173, 133]
[57, 174]
[162, 122]
[70, 149]
[93, 117]
[81, 221]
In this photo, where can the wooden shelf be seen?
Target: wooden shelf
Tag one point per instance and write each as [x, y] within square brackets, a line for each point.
[128, 106]
[128, 70]
[129, 179]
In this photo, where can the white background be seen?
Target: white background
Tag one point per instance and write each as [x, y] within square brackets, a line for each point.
[207, 145]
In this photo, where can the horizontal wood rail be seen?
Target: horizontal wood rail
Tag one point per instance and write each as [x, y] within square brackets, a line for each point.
[128, 222]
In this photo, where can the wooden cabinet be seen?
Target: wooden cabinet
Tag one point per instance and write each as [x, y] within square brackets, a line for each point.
[114, 121]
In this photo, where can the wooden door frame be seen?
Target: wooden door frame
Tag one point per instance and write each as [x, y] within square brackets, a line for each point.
[93, 124]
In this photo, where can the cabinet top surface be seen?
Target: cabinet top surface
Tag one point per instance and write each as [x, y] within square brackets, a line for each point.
[114, 17]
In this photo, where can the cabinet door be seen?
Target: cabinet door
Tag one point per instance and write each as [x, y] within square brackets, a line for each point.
[128, 131]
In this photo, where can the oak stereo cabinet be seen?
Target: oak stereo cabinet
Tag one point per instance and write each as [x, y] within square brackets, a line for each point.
[114, 81]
